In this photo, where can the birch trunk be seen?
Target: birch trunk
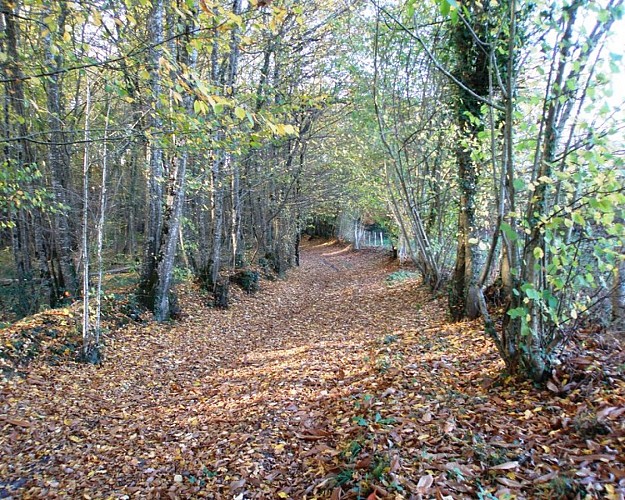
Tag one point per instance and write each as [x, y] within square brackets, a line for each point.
[89, 346]
[100, 228]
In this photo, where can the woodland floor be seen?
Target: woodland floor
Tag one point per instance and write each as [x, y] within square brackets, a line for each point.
[334, 383]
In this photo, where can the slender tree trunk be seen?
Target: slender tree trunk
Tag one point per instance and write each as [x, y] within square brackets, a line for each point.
[154, 214]
[20, 244]
[423, 255]
[218, 217]
[462, 302]
[235, 233]
[134, 201]
[89, 346]
[618, 296]
[130, 247]
[163, 306]
[27, 296]
[222, 163]
[203, 222]
[529, 331]
[100, 230]
[169, 238]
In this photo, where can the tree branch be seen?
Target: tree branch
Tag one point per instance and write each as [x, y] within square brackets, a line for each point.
[438, 65]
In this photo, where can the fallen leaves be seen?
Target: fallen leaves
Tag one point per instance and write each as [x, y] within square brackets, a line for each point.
[506, 466]
[425, 483]
[332, 384]
[16, 422]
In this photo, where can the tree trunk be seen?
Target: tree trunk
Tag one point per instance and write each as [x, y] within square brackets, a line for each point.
[169, 238]
[618, 296]
[20, 242]
[90, 351]
[223, 162]
[154, 214]
[218, 218]
[235, 232]
[473, 70]
[165, 241]
[100, 236]
[58, 162]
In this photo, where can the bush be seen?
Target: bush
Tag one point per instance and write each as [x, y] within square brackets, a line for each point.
[248, 280]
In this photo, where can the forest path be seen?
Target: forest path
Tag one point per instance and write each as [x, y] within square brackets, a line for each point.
[223, 399]
[334, 383]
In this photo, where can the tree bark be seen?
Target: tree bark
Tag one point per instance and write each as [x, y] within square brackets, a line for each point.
[222, 164]
[618, 296]
[59, 162]
[154, 193]
[168, 220]
[169, 238]
[473, 70]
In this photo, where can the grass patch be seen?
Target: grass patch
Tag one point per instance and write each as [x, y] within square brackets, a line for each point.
[400, 277]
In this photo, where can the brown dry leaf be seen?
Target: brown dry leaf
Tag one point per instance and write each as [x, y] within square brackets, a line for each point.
[510, 483]
[545, 477]
[553, 387]
[18, 423]
[395, 463]
[450, 426]
[336, 494]
[424, 484]
[506, 466]
[237, 485]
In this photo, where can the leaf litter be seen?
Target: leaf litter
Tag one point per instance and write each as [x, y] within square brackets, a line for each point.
[335, 383]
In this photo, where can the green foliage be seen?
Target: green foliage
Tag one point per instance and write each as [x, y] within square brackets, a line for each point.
[562, 221]
[401, 276]
[344, 476]
[15, 193]
[583, 237]
[182, 274]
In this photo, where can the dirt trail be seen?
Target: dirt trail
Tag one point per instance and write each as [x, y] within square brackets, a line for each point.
[210, 405]
[334, 384]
